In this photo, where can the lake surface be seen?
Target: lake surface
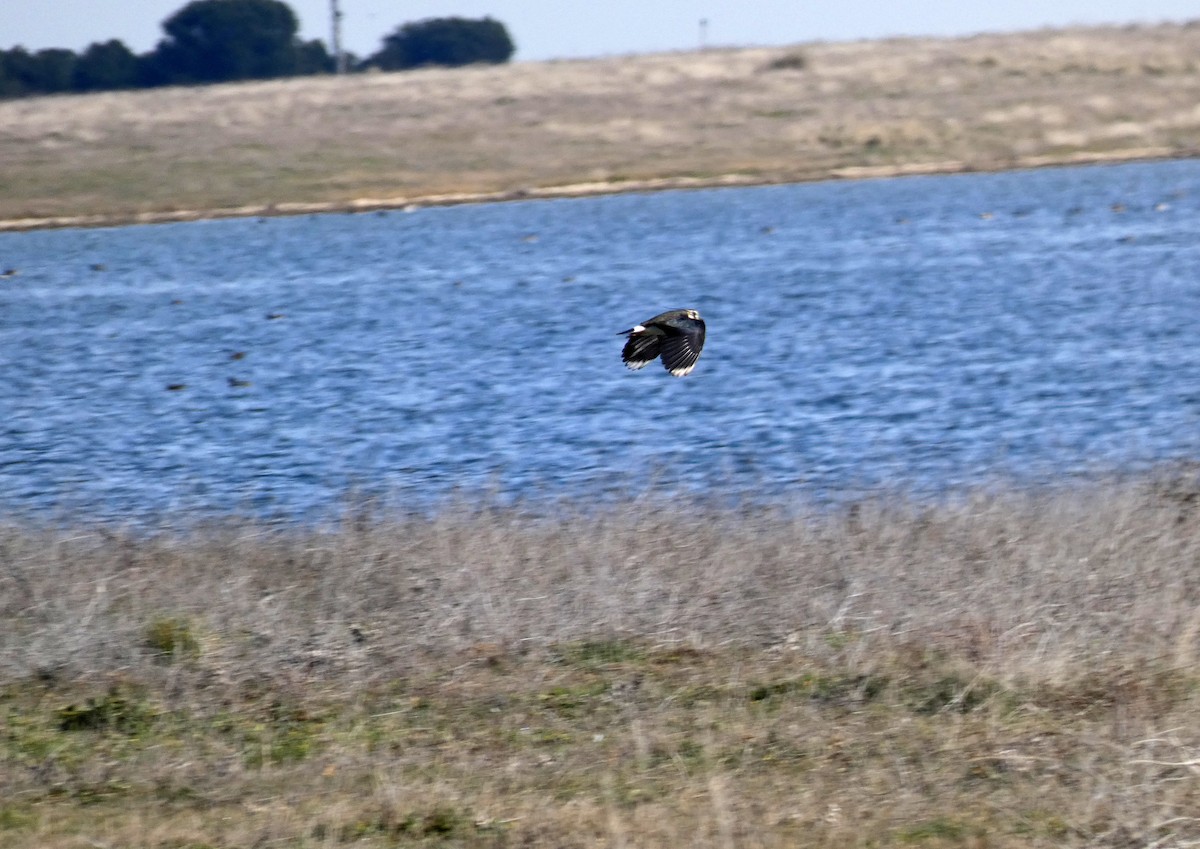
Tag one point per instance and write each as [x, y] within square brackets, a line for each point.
[921, 334]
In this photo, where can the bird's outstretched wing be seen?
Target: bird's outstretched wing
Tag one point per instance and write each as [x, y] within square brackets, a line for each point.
[680, 353]
[640, 350]
[676, 335]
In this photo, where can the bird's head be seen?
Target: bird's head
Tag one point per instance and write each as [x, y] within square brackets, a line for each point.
[692, 314]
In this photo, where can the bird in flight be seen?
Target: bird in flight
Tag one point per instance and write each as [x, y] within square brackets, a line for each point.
[678, 335]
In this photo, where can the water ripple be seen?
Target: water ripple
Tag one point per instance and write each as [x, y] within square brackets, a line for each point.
[924, 333]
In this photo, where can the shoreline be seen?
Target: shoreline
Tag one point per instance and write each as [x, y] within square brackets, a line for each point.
[700, 119]
[594, 189]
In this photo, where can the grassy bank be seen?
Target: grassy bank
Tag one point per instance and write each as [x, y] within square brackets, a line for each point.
[709, 117]
[1007, 670]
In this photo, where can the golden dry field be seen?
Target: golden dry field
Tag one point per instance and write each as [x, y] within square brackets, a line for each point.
[811, 111]
[1002, 670]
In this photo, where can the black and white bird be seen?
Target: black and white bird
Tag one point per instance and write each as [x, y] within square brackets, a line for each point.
[676, 335]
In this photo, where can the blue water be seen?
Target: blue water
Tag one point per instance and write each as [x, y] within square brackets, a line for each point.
[920, 334]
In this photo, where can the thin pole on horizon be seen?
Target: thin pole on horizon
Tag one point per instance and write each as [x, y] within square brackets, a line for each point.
[703, 33]
[339, 56]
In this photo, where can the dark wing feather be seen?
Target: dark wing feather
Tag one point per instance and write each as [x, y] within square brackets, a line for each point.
[641, 350]
[681, 348]
[679, 354]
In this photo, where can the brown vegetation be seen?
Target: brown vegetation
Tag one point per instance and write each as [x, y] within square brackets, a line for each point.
[1005, 670]
[707, 117]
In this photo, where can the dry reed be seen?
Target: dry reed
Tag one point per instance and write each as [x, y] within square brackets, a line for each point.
[1011, 669]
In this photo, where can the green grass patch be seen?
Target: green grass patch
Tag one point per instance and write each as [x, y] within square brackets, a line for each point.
[110, 712]
[937, 832]
[172, 639]
[822, 687]
[289, 735]
[573, 702]
[14, 818]
[948, 693]
[592, 654]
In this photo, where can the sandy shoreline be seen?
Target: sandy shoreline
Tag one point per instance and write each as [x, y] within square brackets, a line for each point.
[578, 190]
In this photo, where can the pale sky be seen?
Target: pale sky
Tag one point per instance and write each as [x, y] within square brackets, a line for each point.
[547, 29]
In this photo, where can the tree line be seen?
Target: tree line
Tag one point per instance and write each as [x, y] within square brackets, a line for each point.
[212, 41]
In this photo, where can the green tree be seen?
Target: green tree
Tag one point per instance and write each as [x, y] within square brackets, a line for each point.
[444, 41]
[8, 85]
[54, 69]
[44, 72]
[19, 72]
[217, 40]
[313, 58]
[106, 66]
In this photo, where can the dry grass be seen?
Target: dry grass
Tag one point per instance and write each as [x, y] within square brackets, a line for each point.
[1004, 670]
[748, 115]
